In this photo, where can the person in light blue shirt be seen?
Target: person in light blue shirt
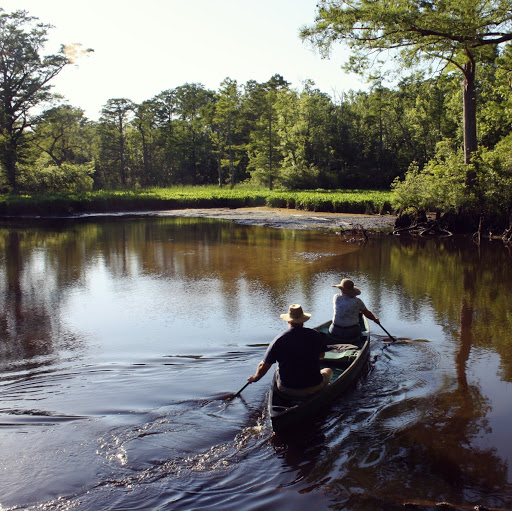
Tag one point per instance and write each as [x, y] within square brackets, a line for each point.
[347, 307]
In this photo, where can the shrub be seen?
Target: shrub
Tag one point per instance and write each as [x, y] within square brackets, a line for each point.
[298, 177]
[440, 185]
[496, 179]
[45, 177]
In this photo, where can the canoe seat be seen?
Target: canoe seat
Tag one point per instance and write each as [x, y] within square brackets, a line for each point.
[341, 355]
[340, 348]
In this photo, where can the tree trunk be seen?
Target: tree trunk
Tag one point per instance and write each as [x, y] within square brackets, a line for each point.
[219, 159]
[169, 149]
[147, 178]
[231, 167]
[469, 110]
[194, 158]
[9, 150]
[9, 160]
[271, 177]
[121, 152]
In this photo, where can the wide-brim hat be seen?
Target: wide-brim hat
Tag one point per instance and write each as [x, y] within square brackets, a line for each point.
[295, 314]
[347, 286]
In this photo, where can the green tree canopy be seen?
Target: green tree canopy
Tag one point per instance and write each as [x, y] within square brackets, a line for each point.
[226, 120]
[115, 117]
[64, 134]
[24, 80]
[459, 33]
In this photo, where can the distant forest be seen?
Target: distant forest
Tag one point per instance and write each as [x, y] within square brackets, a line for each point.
[267, 132]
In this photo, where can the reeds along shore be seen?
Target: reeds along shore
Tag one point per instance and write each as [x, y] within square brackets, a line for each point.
[337, 201]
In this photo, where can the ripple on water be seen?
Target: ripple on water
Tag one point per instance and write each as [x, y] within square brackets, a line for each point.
[216, 475]
[370, 429]
[224, 455]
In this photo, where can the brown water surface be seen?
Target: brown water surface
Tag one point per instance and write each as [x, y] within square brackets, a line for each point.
[118, 338]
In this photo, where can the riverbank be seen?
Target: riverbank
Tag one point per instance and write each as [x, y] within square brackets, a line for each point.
[282, 218]
[279, 218]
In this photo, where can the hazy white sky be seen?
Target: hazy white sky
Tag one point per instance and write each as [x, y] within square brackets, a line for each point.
[142, 47]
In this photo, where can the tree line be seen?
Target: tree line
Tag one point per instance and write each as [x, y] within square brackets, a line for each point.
[267, 132]
[466, 39]
[417, 136]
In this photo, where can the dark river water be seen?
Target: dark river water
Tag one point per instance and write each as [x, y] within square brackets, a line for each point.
[120, 339]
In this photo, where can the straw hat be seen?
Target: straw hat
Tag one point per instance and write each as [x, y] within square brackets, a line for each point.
[348, 288]
[295, 314]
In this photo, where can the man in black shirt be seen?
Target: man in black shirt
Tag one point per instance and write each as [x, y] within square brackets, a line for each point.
[298, 352]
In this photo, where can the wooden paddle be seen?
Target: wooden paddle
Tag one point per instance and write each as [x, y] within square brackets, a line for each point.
[390, 336]
[239, 392]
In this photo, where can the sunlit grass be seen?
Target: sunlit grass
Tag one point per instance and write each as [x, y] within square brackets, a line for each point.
[336, 201]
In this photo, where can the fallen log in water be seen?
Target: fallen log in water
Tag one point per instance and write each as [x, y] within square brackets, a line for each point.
[507, 235]
[429, 228]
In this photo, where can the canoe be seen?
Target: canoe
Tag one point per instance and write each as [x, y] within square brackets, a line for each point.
[346, 360]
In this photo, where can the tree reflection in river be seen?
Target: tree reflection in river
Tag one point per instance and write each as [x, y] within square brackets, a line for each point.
[161, 313]
[443, 443]
[25, 319]
[31, 297]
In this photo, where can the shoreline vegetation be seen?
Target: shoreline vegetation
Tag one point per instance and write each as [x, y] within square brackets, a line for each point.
[157, 199]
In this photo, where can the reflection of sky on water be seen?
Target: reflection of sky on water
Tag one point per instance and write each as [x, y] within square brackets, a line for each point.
[190, 294]
[131, 316]
[135, 324]
[176, 285]
[134, 317]
[182, 284]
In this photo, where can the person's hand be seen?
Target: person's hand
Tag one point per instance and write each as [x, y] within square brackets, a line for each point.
[253, 378]
[377, 321]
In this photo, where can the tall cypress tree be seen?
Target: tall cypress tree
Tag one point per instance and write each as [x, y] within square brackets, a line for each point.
[460, 33]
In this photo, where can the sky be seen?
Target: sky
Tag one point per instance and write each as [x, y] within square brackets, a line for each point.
[143, 47]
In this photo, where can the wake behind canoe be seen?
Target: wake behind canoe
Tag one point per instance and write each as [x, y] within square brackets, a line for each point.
[346, 360]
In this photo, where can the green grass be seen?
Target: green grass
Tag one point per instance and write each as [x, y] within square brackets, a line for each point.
[104, 201]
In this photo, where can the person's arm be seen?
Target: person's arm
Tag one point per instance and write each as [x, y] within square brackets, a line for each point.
[370, 315]
[261, 371]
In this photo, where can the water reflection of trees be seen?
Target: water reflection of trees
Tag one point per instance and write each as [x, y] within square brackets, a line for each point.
[24, 320]
[432, 458]
[239, 258]
[454, 273]
[466, 285]
[30, 295]
[444, 442]
[42, 261]
[437, 456]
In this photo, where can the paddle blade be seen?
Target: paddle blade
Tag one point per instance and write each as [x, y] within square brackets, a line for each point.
[390, 336]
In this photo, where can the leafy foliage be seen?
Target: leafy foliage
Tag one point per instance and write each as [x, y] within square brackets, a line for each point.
[25, 81]
[268, 134]
[349, 201]
[495, 182]
[456, 35]
[47, 177]
[441, 184]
